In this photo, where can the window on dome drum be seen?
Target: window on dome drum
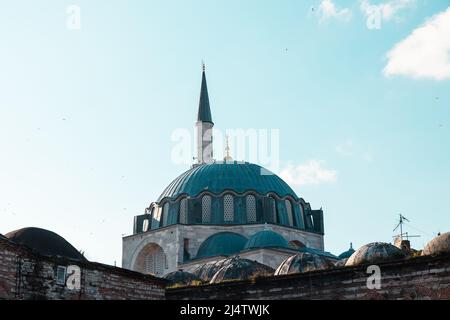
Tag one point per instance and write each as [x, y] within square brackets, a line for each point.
[274, 210]
[251, 208]
[145, 225]
[302, 215]
[289, 212]
[228, 208]
[206, 209]
[156, 216]
[183, 211]
[165, 213]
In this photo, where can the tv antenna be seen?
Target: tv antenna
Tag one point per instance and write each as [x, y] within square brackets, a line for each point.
[400, 225]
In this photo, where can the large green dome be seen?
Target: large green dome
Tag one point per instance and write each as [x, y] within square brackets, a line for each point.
[234, 176]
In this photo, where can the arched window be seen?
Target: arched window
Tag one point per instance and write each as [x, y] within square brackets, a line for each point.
[145, 225]
[206, 209]
[155, 261]
[251, 208]
[183, 211]
[228, 208]
[151, 260]
[289, 212]
[274, 210]
[156, 216]
[302, 216]
[165, 213]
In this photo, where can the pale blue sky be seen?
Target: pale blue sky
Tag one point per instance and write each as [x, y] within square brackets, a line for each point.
[86, 115]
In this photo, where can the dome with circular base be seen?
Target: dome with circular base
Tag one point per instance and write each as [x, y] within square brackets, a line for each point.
[266, 239]
[219, 177]
[241, 269]
[303, 262]
[221, 244]
[347, 254]
[440, 244]
[45, 242]
[181, 277]
[206, 271]
[224, 193]
[375, 252]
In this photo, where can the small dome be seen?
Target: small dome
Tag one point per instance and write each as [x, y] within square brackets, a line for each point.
[321, 253]
[221, 244]
[45, 242]
[303, 262]
[347, 254]
[266, 239]
[206, 271]
[181, 277]
[438, 245]
[375, 252]
[241, 269]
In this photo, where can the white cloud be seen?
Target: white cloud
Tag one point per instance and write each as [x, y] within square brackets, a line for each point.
[386, 10]
[328, 10]
[346, 148]
[425, 52]
[309, 173]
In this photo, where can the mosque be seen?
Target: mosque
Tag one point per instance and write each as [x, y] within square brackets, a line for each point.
[218, 209]
[222, 221]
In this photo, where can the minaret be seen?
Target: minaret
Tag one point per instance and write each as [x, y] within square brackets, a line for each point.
[204, 126]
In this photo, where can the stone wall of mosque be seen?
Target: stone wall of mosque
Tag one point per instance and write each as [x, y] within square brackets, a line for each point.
[26, 275]
[424, 277]
[173, 240]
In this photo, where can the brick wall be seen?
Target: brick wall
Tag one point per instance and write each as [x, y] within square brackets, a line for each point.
[26, 275]
[418, 278]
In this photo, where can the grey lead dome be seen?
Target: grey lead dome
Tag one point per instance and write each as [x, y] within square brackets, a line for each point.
[375, 252]
[440, 244]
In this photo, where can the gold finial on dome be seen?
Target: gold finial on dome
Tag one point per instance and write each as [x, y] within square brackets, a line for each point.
[227, 150]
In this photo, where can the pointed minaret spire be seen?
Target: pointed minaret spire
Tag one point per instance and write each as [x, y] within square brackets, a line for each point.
[204, 125]
[204, 111]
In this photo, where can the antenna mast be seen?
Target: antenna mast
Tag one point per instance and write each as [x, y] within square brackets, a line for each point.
[402, 220]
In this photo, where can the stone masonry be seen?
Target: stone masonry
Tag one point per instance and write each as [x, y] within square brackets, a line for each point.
[170, 239]
[27, 275]
[421, 278]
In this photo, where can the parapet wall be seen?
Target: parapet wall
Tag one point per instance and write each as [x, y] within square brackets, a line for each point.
[27, 275]
[416, 278]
